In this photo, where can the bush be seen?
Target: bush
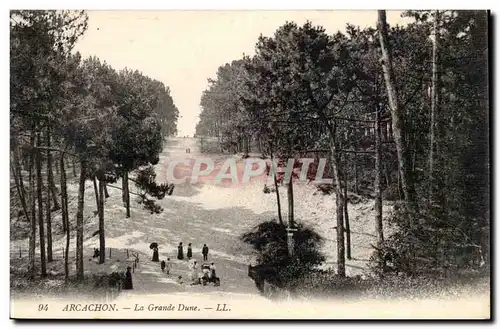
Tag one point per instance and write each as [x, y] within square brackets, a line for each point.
[326, 282]
[325, 189]
[269, 239]
[105, 280]
[427, 242]
[146, 181]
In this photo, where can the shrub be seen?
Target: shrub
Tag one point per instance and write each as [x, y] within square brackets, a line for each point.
[427, 242]
[269, 240]
[104, 280]
[326, 189]
[326, 282]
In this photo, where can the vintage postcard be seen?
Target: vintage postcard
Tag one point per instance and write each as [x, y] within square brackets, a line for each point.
[321, 164]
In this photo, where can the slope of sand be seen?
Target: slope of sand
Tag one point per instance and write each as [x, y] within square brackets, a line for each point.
[216, 215]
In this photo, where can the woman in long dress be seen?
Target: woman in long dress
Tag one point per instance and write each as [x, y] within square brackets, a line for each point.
[180, 251]
[128, 279]
[194, 271]
[212, 271]
[156, 258]
[189, 252]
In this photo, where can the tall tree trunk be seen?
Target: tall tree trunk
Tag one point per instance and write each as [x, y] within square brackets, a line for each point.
[53, 188]
[64, 194]
[248, 146]
[32, 239]
[378, 180]
[400, 195]
[96, 192]
[64, 214]
[356, 190]
[434, 103]
[74, 166]
[50, 174]
[396, 111]
[39, 188]
[126, 194]
[339, 203]
[291, 243]
[346, 219]
[56, 165]
[386, 174]
[280, 218]
[102, 243]
[79, 221]
[49, 194]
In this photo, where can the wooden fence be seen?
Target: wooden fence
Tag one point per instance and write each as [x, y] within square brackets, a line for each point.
[59, 253]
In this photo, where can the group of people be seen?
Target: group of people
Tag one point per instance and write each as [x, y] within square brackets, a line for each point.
[208, 271]
[189, 254]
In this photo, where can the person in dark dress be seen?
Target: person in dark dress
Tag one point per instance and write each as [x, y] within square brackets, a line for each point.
[180, 251]
[204, 251]
[128, 279]
[189, 252]
[155, 255]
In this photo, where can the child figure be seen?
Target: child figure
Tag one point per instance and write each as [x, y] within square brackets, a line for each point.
[179, 279]
[168, 265]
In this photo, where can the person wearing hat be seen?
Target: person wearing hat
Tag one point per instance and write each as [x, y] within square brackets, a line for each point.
[204, 251]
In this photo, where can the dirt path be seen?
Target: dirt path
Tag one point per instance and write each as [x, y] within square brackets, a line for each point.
[201, 213]
[185, 220]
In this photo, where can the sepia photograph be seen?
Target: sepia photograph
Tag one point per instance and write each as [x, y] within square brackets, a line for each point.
[250, 164]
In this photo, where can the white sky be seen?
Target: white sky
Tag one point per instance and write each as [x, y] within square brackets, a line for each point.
[184, 48]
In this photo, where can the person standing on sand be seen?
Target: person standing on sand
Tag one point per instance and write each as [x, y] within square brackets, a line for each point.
[194, 273]
[168, 265]
[155, 255]
[212, 271]
[189, 252]
[128, 279]
[180, 251]
[204, 251]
